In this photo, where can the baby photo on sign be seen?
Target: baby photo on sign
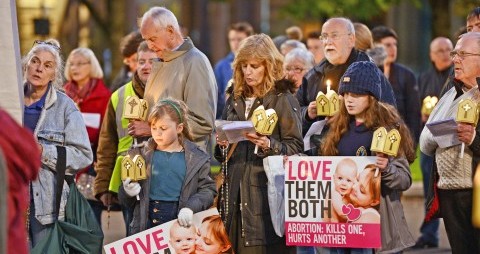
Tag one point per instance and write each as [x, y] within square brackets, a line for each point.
[206, 235]
[332, 201]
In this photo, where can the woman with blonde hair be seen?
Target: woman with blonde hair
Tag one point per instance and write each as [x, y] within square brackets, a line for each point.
[256, 70]
[86, 88]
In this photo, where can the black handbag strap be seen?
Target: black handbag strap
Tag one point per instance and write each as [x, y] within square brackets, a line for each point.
[60, 168]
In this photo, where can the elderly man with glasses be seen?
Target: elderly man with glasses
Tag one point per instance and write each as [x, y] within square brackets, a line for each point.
[338, 37]
[452, 181]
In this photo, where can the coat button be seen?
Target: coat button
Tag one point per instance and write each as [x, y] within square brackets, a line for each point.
[245, 204]
[36, 194]
[155, 210]
[155, 221]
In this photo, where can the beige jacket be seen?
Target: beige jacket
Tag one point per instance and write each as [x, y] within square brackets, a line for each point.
[187, 75]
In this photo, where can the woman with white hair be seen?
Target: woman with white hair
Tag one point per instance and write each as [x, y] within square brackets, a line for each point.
[86, 88]
[55, 121]
[296, 64]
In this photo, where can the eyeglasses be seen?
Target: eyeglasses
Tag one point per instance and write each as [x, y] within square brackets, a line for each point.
[296, 70]
[39, 42]
[461, 54]
[78, 64]
[333, 36]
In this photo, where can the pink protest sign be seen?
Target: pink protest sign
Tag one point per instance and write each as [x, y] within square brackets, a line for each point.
[332, 202]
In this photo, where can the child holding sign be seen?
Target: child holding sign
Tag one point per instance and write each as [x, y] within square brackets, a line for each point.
[350, 133]
[178, 181]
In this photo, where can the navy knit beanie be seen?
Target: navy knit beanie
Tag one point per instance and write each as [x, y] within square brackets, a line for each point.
[361, 78]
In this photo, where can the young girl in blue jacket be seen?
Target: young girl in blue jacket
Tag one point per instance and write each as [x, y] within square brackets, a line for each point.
[178, 182]
[350, 133]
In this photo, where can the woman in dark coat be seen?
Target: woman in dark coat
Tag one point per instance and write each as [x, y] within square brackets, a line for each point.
[243, 202]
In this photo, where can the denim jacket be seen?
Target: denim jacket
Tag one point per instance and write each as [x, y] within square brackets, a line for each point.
[60, 124]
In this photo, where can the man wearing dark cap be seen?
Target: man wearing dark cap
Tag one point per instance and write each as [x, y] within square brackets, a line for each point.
[401, 78]
[338, 36]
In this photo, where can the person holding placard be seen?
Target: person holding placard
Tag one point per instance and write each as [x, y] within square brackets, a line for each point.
[350, 133]
[257, 69]
[178, 182]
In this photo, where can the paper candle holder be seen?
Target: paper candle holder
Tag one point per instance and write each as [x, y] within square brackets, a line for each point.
[386, 142]
[428, 104]
[135, 108]
[467, 112]
[327, 104]
[135, 168]
[264, 121]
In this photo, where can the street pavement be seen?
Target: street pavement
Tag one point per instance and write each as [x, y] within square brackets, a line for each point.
[412, 201]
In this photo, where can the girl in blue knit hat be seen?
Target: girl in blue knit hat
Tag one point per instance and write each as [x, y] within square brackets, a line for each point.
[350, 132]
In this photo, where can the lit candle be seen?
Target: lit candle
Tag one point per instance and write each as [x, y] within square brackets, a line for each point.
[328, 85]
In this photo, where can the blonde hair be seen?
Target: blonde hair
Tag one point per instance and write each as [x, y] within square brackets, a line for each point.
[177, 111]
[52, 46]
[259, 47]
[95, 68]
[363, 37]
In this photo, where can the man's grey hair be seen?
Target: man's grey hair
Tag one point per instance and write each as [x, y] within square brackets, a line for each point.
[347, 22]
[161, 18]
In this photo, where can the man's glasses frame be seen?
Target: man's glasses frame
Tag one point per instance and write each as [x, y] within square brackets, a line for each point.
[461, 54]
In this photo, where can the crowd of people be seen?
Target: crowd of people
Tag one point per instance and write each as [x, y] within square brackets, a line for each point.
[185, 94]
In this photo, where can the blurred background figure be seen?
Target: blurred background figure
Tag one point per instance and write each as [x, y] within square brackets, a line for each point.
[296, 63]
[55, 121]
[431, 83]
[86, 88]
[473, 20]
[363, 37]
[223, 69]
[291, 44]
[315, 45]
[128, 48]
[402, 79]
[294, 33]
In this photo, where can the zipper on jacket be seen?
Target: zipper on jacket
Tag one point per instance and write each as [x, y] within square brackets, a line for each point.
[241, 212]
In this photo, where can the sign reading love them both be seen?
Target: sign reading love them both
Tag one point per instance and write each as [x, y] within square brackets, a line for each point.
[332, 202]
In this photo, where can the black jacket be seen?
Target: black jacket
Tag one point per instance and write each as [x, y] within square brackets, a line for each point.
[246, 177]
[314, 82]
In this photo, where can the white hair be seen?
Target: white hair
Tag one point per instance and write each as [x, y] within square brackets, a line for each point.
[161, 18]
[302, 55]
[347, 22]
[52, 46]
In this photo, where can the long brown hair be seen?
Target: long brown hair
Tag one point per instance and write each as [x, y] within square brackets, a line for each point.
[378, 114]
[259, 47]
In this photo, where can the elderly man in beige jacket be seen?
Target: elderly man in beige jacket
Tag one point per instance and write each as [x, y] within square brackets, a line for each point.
[183, 72]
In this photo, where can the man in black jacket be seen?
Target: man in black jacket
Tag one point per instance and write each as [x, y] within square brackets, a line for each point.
[402, 79]
[338, 36]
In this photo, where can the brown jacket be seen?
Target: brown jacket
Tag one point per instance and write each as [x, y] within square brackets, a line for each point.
[108, 143]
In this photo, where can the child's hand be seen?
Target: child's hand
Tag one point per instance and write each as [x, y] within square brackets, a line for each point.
[185, 217]
[382, 161]
[131, 188]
